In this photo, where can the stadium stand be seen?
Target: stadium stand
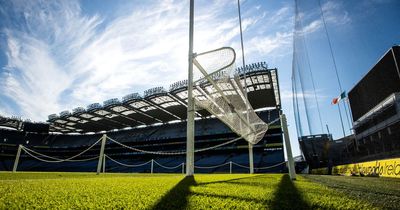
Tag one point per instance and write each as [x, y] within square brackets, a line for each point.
[155, 122]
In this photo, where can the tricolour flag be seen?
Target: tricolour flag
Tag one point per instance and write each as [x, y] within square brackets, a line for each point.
[339, 98]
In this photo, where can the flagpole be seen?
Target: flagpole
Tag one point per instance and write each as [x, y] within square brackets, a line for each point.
[341, 120]
[349, 110]
[347, 114]
[327, 128]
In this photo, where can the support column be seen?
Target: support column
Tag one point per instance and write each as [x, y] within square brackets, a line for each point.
[251, 159]
[292, 172]
[152, 166]
[190, 108]
[17, 158]
[104, 163]
[103, 144]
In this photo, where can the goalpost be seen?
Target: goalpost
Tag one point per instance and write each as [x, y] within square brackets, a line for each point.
[190, 107]
[222, 94]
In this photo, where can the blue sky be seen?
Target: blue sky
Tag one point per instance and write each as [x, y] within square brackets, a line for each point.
[58, 55]
[360, 32]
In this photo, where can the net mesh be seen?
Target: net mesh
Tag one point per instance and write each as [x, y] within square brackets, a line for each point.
[221, 93]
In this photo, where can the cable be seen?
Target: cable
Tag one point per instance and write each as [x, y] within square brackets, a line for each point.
[171, 153]
[127, 165]
[209, 167]
[168, 167]
[145, 151]
[181, 152]
[273, 166]
[267, 167]
[237, 164]
[58, 160]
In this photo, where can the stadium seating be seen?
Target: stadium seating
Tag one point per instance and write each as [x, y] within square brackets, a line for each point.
[165, 137]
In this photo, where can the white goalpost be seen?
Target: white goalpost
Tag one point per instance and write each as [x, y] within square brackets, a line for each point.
[101, 156]
[220, 91]
[190, 107]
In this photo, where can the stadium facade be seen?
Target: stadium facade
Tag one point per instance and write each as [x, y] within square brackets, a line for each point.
[155, 121]
[375, 106]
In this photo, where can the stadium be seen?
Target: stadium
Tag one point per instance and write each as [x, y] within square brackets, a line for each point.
[231, 127]
[154, 122]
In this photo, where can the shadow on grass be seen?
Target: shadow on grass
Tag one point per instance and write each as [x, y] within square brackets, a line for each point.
[380, 193]
[230, 181]
[177, 197]
[287, 196]
[233, 198]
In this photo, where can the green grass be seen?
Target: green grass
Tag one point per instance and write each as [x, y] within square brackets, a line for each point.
[219, 191]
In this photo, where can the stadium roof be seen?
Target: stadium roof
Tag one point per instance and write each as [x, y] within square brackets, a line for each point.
[157, 105]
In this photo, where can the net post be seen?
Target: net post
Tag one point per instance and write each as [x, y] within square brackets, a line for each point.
[190, 108]
[292, 172]
[230, 167]
[17, 158]
[183, 168]
[104, 163]
[251, 159]
[152, 166]
[103, 144]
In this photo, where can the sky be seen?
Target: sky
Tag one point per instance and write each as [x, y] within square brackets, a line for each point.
[58, 55]
[361, 32]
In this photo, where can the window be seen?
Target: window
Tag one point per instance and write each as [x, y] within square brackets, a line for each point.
[119, 109]
[87, 116]
[73, 118]
[162, 99]
[128, 112]
[169, 104]
[96, 118]
[138, 104]
[101, 112]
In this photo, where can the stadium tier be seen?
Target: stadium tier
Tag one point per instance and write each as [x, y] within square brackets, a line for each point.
[154, 122]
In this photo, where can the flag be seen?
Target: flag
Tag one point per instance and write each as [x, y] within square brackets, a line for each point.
[339, 98]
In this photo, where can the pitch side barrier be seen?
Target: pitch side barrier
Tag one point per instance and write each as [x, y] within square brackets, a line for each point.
[382, 168]
[151, 163]
[103, 157]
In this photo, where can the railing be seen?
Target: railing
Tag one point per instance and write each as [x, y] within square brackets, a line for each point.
[94, 106]
[78, 110]
[65, 113]
[113, 101]
[132, 96]
[153, 91]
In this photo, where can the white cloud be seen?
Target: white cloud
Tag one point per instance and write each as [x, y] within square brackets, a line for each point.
[278, 44]
[311, 20]
[33, 79]
[59, 58]
[287, 94]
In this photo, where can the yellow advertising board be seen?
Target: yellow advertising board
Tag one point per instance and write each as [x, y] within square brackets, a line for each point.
[384, 168]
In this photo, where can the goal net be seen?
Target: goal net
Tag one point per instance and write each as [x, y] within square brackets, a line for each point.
[220, 92]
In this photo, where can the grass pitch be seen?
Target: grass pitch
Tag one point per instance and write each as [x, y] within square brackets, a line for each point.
[167, 191]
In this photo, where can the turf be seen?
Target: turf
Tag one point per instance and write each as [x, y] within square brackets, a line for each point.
[217, 191]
